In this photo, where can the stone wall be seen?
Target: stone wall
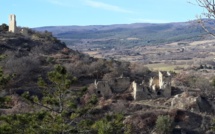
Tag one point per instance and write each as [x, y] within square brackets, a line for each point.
[120, 85]
[158, 86]
[117, 85]
[103, 88]
[24, 31]
[167, 87]
[139, 92]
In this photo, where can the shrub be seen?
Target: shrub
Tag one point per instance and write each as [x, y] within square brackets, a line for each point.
[163, 125]
[4, 27]
[93, 99]
[110, 124]
[22, 65]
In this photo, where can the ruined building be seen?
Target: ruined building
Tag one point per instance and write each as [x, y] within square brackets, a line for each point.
[140, 92]
[107, 88]
[158, 86]
[13, 28]
[12, 23]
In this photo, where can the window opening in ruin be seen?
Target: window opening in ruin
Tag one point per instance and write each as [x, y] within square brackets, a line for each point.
[99, 92]
[159, 93]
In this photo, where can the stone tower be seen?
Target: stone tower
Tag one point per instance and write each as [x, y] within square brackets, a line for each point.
[12, 23]
[160, 76]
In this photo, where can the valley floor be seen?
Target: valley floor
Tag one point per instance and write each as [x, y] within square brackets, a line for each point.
[167, 57]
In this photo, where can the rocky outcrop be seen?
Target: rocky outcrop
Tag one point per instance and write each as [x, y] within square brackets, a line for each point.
[193, 103]
[183, 101]
[184, 122]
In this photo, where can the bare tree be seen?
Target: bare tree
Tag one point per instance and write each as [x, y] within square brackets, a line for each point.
[209, 5]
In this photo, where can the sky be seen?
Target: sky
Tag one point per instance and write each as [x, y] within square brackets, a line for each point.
[37, 13]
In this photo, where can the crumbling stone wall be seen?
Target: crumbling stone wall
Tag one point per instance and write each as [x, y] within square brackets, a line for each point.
[167, 88]
[159, 85]
[165, 81]
[103, 88]
[24, 31]
[119, 85]
[139, 92]
[160, 76]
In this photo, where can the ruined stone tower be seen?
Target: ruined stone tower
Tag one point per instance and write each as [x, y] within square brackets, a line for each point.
[161, 83]
[12, 23]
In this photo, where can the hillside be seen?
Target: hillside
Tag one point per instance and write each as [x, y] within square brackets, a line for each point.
[37, 53]
[141, 33]
[46, 87]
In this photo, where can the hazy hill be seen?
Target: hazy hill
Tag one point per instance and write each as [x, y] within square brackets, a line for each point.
[143, 33]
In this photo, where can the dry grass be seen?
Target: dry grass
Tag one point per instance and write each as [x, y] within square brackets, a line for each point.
[94, 54]
[132, 38]
[165, 67]
[201, 42]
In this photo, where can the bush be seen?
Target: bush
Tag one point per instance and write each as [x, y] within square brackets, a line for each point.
[93, 99]
[111, 124]
[4, 27]
[22, 65]
[163, 125]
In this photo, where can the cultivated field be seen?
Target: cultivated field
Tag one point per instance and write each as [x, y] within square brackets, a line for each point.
[168, 57]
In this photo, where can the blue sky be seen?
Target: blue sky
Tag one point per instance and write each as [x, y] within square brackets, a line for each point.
[36, 13]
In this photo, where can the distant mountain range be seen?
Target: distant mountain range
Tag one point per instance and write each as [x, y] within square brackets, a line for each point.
[142, 33]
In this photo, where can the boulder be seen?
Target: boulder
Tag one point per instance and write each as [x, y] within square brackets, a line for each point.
[182, 101]
[196, 103]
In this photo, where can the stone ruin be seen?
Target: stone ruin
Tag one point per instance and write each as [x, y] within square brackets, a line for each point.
[12, 23]
[13, 28]
[107, 88]
[158, 86]
[139, 91]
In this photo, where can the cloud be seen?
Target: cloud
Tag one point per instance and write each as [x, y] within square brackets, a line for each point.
[105, 6]
[148, 20]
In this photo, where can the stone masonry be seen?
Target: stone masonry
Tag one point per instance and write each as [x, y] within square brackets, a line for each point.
[12, 23]
[159, 86]
[107, 88]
